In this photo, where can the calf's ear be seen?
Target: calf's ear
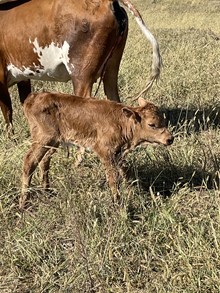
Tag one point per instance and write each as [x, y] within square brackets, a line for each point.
[131, 114]
[142, 102]
[128, 112]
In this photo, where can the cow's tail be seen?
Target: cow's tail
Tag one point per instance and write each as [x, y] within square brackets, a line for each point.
[157, 61]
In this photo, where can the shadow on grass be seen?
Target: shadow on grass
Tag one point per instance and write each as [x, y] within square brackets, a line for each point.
[165, 180]
[193, 120]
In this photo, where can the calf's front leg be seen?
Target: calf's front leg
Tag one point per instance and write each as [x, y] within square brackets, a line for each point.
[112, 173]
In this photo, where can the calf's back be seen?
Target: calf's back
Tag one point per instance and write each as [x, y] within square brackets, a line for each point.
[68, 118]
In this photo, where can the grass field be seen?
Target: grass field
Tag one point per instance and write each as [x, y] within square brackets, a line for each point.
[165, 236]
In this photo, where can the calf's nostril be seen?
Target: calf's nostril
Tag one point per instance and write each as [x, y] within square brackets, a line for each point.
[170, 140]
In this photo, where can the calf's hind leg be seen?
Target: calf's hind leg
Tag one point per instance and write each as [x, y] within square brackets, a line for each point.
[33, 157]
[44, 166]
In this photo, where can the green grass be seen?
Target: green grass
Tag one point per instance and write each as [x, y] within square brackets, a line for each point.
[165, 236]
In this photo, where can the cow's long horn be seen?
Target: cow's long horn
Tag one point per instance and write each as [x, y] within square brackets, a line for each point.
[157, 61]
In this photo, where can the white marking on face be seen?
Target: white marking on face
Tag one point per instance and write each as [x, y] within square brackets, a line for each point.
[54, 64]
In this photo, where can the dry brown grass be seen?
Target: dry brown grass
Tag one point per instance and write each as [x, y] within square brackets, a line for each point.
[165, 236]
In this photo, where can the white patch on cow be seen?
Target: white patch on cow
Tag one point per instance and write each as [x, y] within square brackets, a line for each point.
[54, 64]
[52, 55]
[19, 71]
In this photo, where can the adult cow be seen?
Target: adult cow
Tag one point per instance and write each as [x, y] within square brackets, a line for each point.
[58, 40]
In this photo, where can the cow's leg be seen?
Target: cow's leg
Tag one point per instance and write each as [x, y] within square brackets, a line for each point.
[44, 166]
[31, 161]
[110, 78]
[82, 86]
[5, 104]
[5, 100]
[24, 89]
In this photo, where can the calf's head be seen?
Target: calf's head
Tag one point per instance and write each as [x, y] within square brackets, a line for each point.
[149, 125]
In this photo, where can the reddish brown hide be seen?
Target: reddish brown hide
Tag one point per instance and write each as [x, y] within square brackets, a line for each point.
[78, 40]
[108, 128]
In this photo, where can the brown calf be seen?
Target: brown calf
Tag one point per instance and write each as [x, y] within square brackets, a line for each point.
[110, 129]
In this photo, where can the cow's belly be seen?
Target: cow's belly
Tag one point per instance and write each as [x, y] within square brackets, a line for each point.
[52, 65]
[57, 73]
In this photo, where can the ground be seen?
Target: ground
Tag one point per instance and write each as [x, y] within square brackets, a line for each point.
[165, 235]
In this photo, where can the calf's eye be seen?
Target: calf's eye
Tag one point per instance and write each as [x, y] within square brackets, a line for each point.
[152, 125]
